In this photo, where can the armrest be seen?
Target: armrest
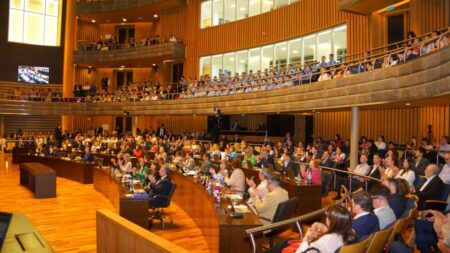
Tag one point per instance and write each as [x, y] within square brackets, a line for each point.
[438, 205]
[160, 196]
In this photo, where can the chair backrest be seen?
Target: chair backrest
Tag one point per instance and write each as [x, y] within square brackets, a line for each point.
[379, 240]
[445, 192]
[399, 225]
[359, 247]
[411, 204]
[172, 190]
[285, 210]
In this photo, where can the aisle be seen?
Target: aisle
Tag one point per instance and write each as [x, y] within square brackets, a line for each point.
[67, 222]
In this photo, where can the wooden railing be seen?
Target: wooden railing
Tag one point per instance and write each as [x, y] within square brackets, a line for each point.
[116, 235]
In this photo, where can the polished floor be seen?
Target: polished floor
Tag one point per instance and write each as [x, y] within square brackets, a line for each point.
[67, 222]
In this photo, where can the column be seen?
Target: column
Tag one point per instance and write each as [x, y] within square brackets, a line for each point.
[2, 125]
[134, 122]
[354, 137]
[69, 46]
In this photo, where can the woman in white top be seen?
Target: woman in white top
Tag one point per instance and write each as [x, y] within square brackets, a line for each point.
[391, 170]
[381, 145]
[126, 166]
[237, 179]
[327, 238]
[406, 172]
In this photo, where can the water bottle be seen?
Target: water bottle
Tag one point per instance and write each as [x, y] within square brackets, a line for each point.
[309, 178]
[131, 184]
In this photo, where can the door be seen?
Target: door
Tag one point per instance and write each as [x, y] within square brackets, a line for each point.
[396, 28]
[124, 33]
[123, 77]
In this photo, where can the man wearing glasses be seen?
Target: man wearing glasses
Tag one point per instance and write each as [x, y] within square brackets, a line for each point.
[380, 200]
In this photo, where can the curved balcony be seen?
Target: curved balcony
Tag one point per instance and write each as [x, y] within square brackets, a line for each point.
[423, 78]
[143, 56]
[103, 10]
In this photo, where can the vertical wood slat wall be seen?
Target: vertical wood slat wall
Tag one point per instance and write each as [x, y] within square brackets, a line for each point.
[396, 125]
[31, 123]
[429, 15]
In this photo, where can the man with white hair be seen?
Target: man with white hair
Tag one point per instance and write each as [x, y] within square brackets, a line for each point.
[431, 188]
[445, 172]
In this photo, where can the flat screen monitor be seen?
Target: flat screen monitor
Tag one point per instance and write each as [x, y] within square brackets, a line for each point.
[33, 74]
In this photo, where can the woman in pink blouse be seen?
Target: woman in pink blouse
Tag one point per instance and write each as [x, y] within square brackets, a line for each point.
[313, 166]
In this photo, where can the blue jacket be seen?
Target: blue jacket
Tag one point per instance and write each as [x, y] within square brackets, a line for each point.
[365, 225]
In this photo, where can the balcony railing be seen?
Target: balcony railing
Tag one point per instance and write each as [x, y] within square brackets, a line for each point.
[121, 53]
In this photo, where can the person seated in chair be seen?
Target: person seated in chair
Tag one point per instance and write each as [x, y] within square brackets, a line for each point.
[380, 201]
[267, 206]
[396, 201]
[431, 188]
[161, 187]
[364, 222]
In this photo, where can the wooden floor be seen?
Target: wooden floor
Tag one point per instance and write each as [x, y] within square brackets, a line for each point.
[67, 222]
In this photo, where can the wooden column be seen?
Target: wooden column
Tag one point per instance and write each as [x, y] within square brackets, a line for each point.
[354, 137]
[69, 46]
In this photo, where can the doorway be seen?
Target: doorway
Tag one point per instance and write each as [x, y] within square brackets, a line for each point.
[396, 28]
[123, 77]
[124, 33]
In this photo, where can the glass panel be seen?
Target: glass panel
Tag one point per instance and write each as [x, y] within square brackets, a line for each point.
[35, 6]
[217, 65]
[206, 19]
[228, 63]
[295, 54]
[241, 61]
[205, 66]
[340, 42]
[16, 4]
[281, 3]
[15, 26]
[255, 7]
[309, 49]
[33, 30]
[267, 57]
[281, 54]
[324, 40]
[218, 12]
[52, 7]
[242, 9]
[51, 31]
[268, 5]
[230, 10]
[293, 1]
[254, 62]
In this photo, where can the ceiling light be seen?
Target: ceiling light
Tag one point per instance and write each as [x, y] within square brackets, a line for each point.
[242, 9]
[153, 64]
[93, 21]
[89, 66]
[408, 104]
[155, 16]
[124, 19]
[232, 5]
[122, 66]
[283, 49]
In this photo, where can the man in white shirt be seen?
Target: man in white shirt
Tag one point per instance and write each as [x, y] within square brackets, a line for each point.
[431, 188]
[445, 172]
[380, 200]
[444, 147]
[361, 169]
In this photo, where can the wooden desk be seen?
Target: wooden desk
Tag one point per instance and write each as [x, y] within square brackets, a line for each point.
[133, 209]
[77, 171]
[222, 232]
[310, 196]
[39, 178]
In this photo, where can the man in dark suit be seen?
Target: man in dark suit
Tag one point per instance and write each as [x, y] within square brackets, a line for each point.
[289, 166]
[420, 163]
[161, 131]
[326, 176]
[396, 201]
[98, 131]
[236, 126]
[431, 188]
[364, 222]
[264, 160]
[159, 188]
[375, 170]
[315, 153]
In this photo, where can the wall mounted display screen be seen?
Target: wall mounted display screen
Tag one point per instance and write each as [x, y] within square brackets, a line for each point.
[30, 74]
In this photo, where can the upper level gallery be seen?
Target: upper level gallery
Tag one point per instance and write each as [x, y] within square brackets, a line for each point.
[416, 80]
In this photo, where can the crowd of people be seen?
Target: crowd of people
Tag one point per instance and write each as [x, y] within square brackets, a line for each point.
[269, 79]
[35, 94]
[112, 43]
[374, 207]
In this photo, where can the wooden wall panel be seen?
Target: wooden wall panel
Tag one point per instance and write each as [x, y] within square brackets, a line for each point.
[176, 124]
[300, 130]
[429, 15]
[142, 30]
[87, 31]
[87, 123]
[249, 121]
[31, 123]
[396, 125]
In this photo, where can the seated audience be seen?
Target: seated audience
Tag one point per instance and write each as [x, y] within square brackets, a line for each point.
[364, 223]
[142, 171]
[267, 206]
[430, 188]
[261, 190]
[356, 183]
[314, 170]
[236, 181]
[406, 172]
[160, 187]
[380, 201]
[396, 201]
[445, 172]
[420, 162]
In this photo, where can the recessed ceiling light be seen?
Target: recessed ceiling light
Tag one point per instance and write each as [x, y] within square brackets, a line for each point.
[89, 66]
[408, 104]
[124, 19]
[139, 18]
[93, 21]
[153, 64]
[122, 66]
[155, 16]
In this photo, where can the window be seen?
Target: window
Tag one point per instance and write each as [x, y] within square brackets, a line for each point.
[298, 51]
[230, 10]
[218, 12]
[242, 9]
[34, 22]
[254, 7]
[206, 19]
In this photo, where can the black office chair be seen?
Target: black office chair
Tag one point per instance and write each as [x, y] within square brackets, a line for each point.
[158, 209]
[285, 210]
